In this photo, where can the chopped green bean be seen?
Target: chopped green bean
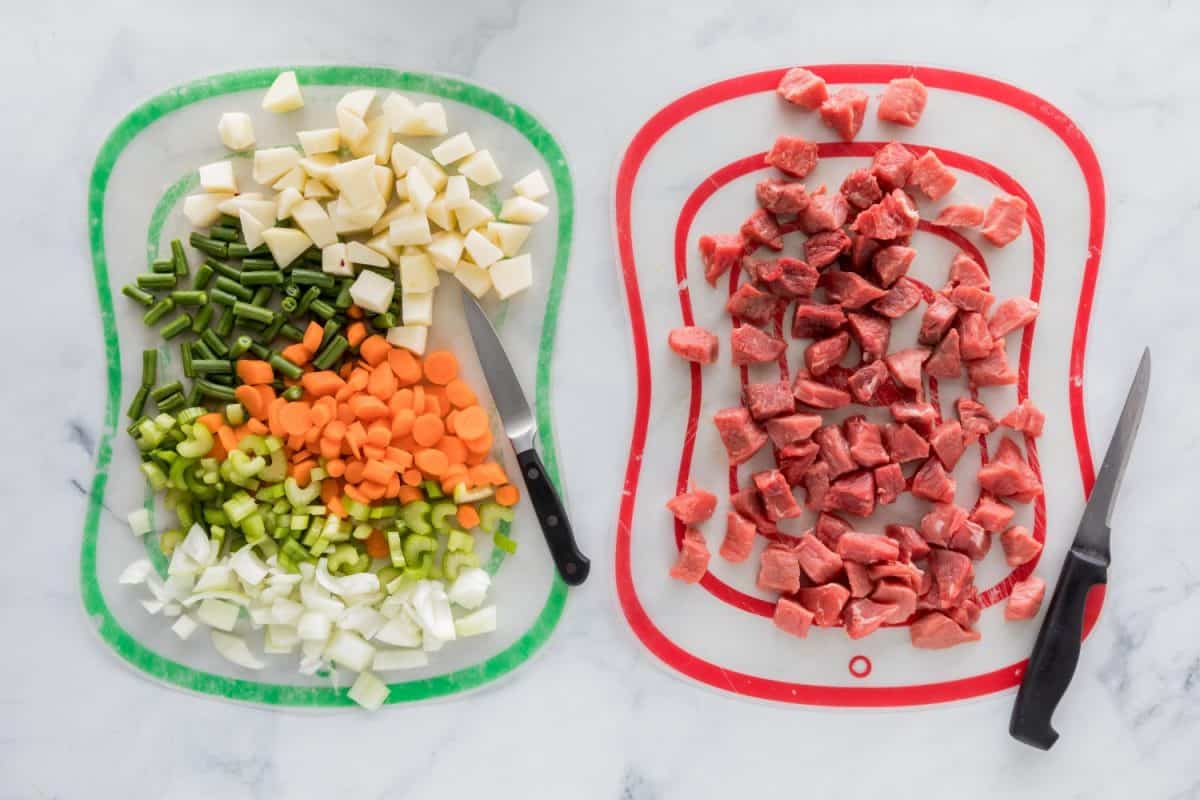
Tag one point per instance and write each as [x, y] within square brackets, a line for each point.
[229, 221]
[330, 353]
[262, 296]
[165, 390]
[310, 295]
[260, 351]
[201, 350]
[286, 367]
[322, 309]
[293, 393]
[290, 331]
[259, 264]
[240, 346]
[224, 325]
[311, 277]
[223, 233]
[204, 366]
[172, 404]
[203, 317]
[234, 288]
[225, 379]
[343, 299]
[221, 296]
[149, 367]
[214, 390]
[163, 265]
[158, 311]
[384, 321]
[185, 354]
[204, 276]
[138, 404]
[261, 277]
[312, 255]
[176, 326]
[179, 258]
[208, 246]
[138, 294]
[223, 269]
[291, 290]
[156, 280]
[272, 330]
[189, 297]
[253, 312]
[194, 396]
[238, 250]
[210, 338]
[288, 305]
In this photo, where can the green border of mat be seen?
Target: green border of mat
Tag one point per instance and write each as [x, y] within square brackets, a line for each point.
[172, 100]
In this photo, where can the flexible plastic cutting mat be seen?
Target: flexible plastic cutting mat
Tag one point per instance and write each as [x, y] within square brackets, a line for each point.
[690, 171]
[144, 170]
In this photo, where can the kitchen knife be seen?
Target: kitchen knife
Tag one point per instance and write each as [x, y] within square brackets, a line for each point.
[1056, 651]
[520, 428]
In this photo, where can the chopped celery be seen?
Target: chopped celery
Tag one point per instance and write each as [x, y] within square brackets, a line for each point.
[432, 490]
[415, 544]
[254, 528]
[362, 531]
[293, 551]
[342, 556]
[442, 516]
[270, 494]
[355, 509]
[298, 522]
[383, 512]
[416, 517]
[235, 413]
[387, 575]
[319, 546]
[238, 507]
[460, 542]
[154, 475]
[491, 515]
[169, 541]
[453, 562]
[504, 543]
[464, 495]
[276, 470]
[253, 442]
[198, 444]
[301, 497]
[396, 548]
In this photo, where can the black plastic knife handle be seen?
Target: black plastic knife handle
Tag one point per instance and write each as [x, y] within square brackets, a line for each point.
[1056, 652]
[572, 565]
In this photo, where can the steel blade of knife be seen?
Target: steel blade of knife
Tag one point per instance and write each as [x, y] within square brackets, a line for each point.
[506, 390]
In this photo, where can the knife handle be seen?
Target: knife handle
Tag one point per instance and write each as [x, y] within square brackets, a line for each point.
[1056, 652]
[572, 565]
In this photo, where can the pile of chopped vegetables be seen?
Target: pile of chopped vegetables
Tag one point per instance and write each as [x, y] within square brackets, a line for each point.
[328, 476]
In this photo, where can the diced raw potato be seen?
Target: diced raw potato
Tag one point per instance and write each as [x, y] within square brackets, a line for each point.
[410, 337]
[381, 244]
[313, 220]
[410, 228]
[286, 244]
[508, 237]
[372, 291]
[262, 210]
[184, 627]
[420, 193]
[294, 178]
[427, 119]
[232, 205]
[383, 182]
[368, 691]
[284, 94]
[446, 250]
[357, 102]
[356, 181]
[218, 177]
[512, 275]
[280, 639]
[359, 253]
[351, 126]
[386, 220]
[236, 130]
[219, 614]
[404, 158]
[394, 659]
[522, 210]
[472, 214]
[481, 168]
[532, 186]
[334, 260]
[477, 279]
[272, 163]
[287, 201]
[398, 110]
[201, 209]
[322, 140]
[348, 219]
[252, 228]
[318, 166]
[417, 308]
[453, 149]
[316, 190]
[377, 142]
[439, 214]
[458, 191]
[481, 249]
[433, 173]
[417, 274]
[401, 190]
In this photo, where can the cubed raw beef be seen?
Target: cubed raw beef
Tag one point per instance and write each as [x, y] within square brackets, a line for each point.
[761, 228]
[692, 562]
[794, 461]
[791, 617]
[960, 215]
[889, 483]
[1013, 313]
[835, 450]
[802, 88]
[948, 443]
[952, 573]
[872, 334]
[816, 560]
[966, 271]
[991, 515]
[913, 546]
[892, 165]
[861, 188]
[825, 212]
[776, 495]
[975, 418]
[829, 529]
[1004, 219]
[892, 263]
[1019, 546]
[778, 569]
[904, 571]
[752, 346]
[692, 343]
[972, 541]
[859, 579]
[824, 248]
[903, 101]
[905, 366]
[946, 361]
[739, 538]
[892, 217]
[897, 594]
[866, 442]
[1008, 475]
[904, 443]
[864, 617]
[935, 631]
[792, 429]
[748, 503]
[818, 395]
[968, 610]
[784, 197]
[816, 484]
[823, 354]
[993, 369]
[719, 253]
[931, 176]
[1026, 418]
[1026, 599]
[975, 342]
[941, 522]
[741, 437]
[938, 317]
[932, 483]
[867, 548]
[814, 320]
[826, 602]
[865, 381]
[751, 304]
[972, 298]
[692, 507]
[766, 400]
[903, 297]
[787, 277]
[853, 493]
[921, 416]
[793, 155]
[843, 111]
[862, 251]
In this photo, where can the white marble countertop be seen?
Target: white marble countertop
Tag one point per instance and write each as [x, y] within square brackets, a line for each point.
[593, 716]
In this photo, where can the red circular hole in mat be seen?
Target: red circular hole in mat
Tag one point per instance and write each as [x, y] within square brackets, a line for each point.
[860, 666]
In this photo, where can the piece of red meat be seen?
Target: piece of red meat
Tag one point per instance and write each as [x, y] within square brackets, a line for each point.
[952, 574]
[892, 217]
[891, 165]
[948, 443]
[867, 548]
[740, 435]
[693, 558]
[816, 560]
[920, 415]
[829, 528]
[824, 248]
[739, 538]
[898, 594]
[1008, 475]
[862, 251]
[931, 176]
[719, 253]
[864, 617]
[903, 101]
[844, 110]
[794, 461]
[818, 395]
[823, 354]
[786, 277]
[865, 381]
[991, 515]
[853, 493]
[938, 317]
[975, 418]
[972, 298]
[1013, 313]
[913, 546]
[972, 541]
[1026, 418]
[761, 228]
[748, 503]
[941, 522]
[751, 346]
[792, 155]
[825, 212]
[904, 443]
[778, 569]
[751, 304]
[993, 369]
[801, 87]
[859, 579]
[892, 263]
[932, 483]
[903, 297]
[782, 197]
[835, 450]
[771, 399]
[692, 507]
[966, 271]
[905, 366]
[889, 483]
[1003, 220]
[776, 495]
[1019, 546]
[792, 429]
[905, 572]
[791, 617]
[946, 361]
[695, 344]
[935, 631]
[968, 610]
[816, 484]
[1026, 599]
[861, 188]
[960, 215]
[866, 442]
[814, 320]
[975, 342]
[872, 334]
[826, 602]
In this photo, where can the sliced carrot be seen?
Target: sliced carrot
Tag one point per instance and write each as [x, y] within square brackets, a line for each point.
[431, 462]
[330, 490]
[468, 517]
[376, 544]
[345, 370]
[302, 472]
[324, 410]
[475, 459]
[442, 396]
[409, 494]
[354, 470]
[455, 474]
[379, 434]
[355, 494]
[253, 371]
[354, 312]
[393, 487]
[294, 442]
[296, 418]
[256, 427]
[402, 399]
[455, 450]
[267, 392]
[322, 382]
[313, 335]
[428, 430]
[250, 399]
[273, 421]
[356, 437]
[335, 467]
[371, 451]
[402, 458]
[451, 426]
[418, 405]
[481, 445]
[227, 438]
[218, 451]
[335, 431]
[376, 471]
[329, 449]
[407, 443]
[460, 393]
[355, 333]
[301, 456]
[368, 408]
[471, 422]
[441, 367]
[374, 349]
[508, 495]
[372, 490]
[412, 477]
[335, 507]
[402, 423]
[213, 421]
[489, 473]
[297, 353]
[345, 413]
[312, 437]
[405, 365]
[433, 405]
[382, 383]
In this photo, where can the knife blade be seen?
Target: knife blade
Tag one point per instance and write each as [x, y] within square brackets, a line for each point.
[1056, 651]
[521, 429]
